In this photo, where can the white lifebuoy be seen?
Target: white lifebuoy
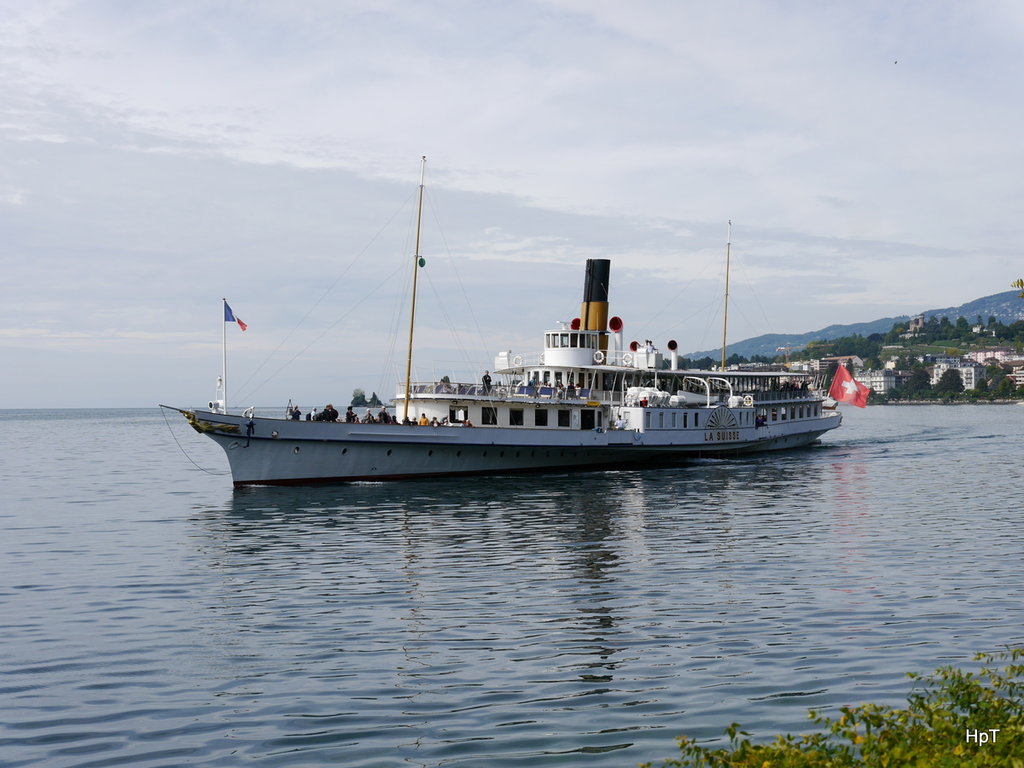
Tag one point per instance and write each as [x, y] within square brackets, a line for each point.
[599, 356]
[517, 360]
[748, 401]
[627, 359]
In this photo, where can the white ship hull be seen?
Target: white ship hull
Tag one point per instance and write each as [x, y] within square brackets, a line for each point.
[284, 452]
[586, 402]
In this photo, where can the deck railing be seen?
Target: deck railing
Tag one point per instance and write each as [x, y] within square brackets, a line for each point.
[503, 393]
[497, 392]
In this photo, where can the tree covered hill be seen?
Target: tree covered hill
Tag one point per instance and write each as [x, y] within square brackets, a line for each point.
[1007, 308]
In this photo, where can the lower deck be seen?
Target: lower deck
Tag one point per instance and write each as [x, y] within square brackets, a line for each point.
[279, 451]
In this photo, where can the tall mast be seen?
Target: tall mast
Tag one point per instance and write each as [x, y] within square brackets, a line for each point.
[725, 313]
[415, 273]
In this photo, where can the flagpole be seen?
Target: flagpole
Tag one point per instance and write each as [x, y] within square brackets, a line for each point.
[224, 352]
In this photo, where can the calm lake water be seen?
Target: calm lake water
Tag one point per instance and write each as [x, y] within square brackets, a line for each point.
[153, 616]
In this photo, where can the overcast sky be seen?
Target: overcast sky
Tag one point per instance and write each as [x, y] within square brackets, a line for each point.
[156, 157]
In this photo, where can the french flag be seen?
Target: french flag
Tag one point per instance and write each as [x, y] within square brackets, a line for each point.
[229, 317]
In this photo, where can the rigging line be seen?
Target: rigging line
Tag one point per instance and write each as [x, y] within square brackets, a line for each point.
[684, 320]
[326, 330]
[643, 329]
[458, 278]
[389, 365]
[324, 295]
[389, 361]
[398, 311]
[184, 452]
[713, 303]
[712, 316]
[754, 294]
[451, 326]
[739, 309]
[391, 337]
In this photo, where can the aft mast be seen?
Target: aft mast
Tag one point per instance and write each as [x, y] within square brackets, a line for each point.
[725, 312]
[416, 264]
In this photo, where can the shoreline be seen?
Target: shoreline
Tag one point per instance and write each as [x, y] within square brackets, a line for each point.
[954, 402]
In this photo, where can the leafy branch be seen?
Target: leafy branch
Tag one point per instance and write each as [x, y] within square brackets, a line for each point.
[935, 729]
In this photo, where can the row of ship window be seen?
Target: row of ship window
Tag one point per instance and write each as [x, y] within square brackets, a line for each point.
[576, 340]
[541, 417]
[591, 419]
[669, 420]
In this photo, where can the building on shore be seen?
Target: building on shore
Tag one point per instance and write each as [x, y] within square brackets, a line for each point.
[970, 373]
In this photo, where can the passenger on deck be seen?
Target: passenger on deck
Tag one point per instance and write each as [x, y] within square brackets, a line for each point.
[329, 413]
[570, 390]
[368, 418]
[295, 414]
[434, 422]
[486, 381]
[424, 421]
[383, 417]
[467, 423]
[350, 416]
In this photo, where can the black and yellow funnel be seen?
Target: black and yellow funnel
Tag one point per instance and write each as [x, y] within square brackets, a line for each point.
[594, 309]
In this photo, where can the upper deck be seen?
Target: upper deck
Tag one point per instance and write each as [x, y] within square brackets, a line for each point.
[691, 388]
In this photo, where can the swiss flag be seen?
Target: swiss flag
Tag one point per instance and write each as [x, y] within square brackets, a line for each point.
[846, 389]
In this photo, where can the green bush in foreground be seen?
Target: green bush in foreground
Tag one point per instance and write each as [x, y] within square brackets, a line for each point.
[953, 718]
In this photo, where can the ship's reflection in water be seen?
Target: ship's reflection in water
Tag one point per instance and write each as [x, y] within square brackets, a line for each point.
[515, 599]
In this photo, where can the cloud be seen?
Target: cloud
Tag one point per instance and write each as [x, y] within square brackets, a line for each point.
[12, 196]
[156, 158]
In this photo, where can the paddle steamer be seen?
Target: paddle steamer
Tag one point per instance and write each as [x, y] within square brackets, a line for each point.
[588, 401]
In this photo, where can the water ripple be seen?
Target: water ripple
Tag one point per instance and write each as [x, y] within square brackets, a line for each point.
[154, 617]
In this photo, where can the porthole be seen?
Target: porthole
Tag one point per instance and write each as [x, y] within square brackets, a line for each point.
[274, 434]
[344, 451]
[430, 453]
[295, 450]
[458, 453]
[389, 452]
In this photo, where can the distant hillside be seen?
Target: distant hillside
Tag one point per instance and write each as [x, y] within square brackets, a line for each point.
[1006, 307]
